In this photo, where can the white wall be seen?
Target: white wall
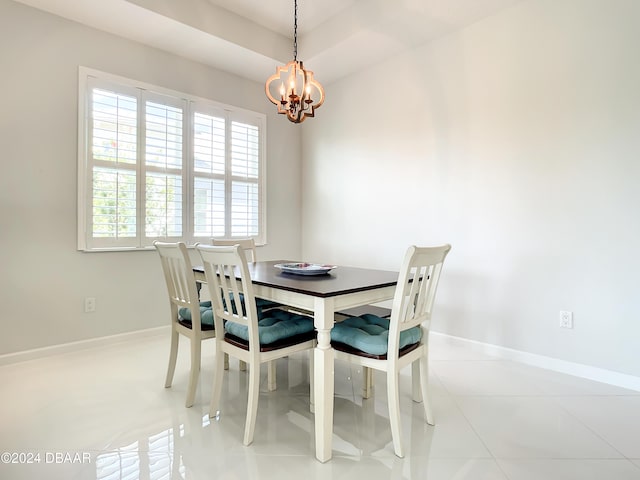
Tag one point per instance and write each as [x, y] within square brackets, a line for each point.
[517, 140]
[44, 278]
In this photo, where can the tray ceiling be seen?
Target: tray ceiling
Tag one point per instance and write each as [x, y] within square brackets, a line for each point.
[250, 37]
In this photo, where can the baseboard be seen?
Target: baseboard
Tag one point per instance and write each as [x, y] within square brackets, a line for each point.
[37, 353]
[576, 369]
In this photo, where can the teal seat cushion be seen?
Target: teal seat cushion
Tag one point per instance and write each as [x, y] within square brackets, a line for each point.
[261, 305]
[206, 315]
[370, 334]
[275, 326]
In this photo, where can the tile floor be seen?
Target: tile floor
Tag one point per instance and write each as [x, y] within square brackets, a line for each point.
[104, 414]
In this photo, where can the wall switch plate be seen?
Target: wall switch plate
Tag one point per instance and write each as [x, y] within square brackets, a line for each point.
[566, 319]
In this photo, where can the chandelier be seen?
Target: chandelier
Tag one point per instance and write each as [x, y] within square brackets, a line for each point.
[297, 94]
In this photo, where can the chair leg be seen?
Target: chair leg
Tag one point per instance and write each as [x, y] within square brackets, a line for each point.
[271, 376]
[393, 399]
[196, 346]
[424, 386]
[252, 404]
[367, 374]
[173, 355]
[416, 391]
[218, 377]
[312, 407]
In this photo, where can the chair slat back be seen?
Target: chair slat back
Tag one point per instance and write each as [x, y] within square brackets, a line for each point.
[416, 290]
[179, 277]
[247, 244]
[227, 274]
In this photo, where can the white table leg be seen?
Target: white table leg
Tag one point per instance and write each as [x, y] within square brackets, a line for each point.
[324, 381]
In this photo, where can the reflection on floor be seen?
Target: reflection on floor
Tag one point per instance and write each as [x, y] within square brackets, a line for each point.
[104, 414]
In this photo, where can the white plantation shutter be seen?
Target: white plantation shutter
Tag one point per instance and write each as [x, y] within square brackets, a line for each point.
[156, 164]
[209, 154]
[163, 207]
[114, 203]
[113, 150]
[164, 152]
[227, 164]
[245, 167]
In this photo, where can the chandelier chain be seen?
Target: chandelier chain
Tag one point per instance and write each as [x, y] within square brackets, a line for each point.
[295, 30]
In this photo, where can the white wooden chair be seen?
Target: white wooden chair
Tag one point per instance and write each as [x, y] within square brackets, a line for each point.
[249, 247]
[188, 317]
[363, 340]
[282, 334]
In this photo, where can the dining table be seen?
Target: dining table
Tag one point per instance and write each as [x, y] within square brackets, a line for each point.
[324, 294]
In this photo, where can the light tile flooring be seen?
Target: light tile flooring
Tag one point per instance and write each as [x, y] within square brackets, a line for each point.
[104, 414]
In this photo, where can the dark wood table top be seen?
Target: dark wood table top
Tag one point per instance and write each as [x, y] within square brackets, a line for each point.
[339, 281]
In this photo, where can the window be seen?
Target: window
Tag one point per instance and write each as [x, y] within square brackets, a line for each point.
[156, 164]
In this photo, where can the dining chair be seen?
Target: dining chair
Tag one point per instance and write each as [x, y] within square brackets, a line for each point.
[263, 305]
[189, 316]
[241, 333]
[388, 345]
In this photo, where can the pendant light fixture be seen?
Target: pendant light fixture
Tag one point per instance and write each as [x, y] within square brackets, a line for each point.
[297, 94]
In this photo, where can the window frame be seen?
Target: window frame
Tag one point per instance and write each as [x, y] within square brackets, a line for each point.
[143, 92]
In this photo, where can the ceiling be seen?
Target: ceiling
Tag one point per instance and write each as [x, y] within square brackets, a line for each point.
[251, 37]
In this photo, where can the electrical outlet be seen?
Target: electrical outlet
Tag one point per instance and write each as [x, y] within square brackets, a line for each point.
[566, 319]
[89, 304]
